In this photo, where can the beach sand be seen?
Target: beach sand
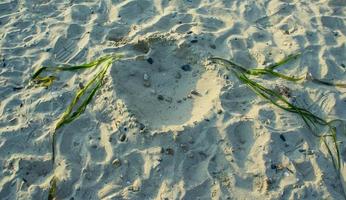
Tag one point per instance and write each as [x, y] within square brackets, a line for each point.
[168, 123]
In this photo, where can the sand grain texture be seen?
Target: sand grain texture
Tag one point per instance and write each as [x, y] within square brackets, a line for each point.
[177, 126]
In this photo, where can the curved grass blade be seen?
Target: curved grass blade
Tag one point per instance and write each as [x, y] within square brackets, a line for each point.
[44, 81]
[256, 72]
[342, 85]
[48, 80]
[260, 71]
[270, 71]
[284, 61]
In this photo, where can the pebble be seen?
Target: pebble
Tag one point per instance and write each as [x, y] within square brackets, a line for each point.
[17, 88]
[169, 151]
[178, 75]
[286, 174]
[169, 99]
[160, 97]
[194, 92]
[194, 41]
[186, 67]
[141, 126]
[147, 84]
[150, 61]
[282, 137]
[213, 46]
[122, 138]
[146, 77]
[116, 162]
[273, 166]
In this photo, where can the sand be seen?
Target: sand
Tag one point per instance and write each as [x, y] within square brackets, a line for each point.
[168, 123]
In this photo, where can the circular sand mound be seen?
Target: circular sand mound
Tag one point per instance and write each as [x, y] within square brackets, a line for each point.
[166, 89]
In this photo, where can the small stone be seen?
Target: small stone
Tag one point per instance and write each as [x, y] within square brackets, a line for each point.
[186, 67]
[169, 151]
[150, 61]
[169, 99]
[147, 84]
[81, 86]
[194, 41]
[189, 96]
[146, 77]
[190, 32]
[194, 92]
[178, 75]
[219, 111]
[17, 88]
[213, 46]
[160, 97]
[141, 126]
[286, 174]
[282, 137]
[116, 162]
[122, 138]
[273, 166]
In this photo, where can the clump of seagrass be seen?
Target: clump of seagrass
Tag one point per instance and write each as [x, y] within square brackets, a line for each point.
[82, 98]
[77, 106]
[310, 119]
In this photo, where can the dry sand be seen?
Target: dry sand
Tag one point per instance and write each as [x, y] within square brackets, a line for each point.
[145, 136]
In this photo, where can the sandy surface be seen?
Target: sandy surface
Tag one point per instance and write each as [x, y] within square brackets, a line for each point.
[144, 135]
